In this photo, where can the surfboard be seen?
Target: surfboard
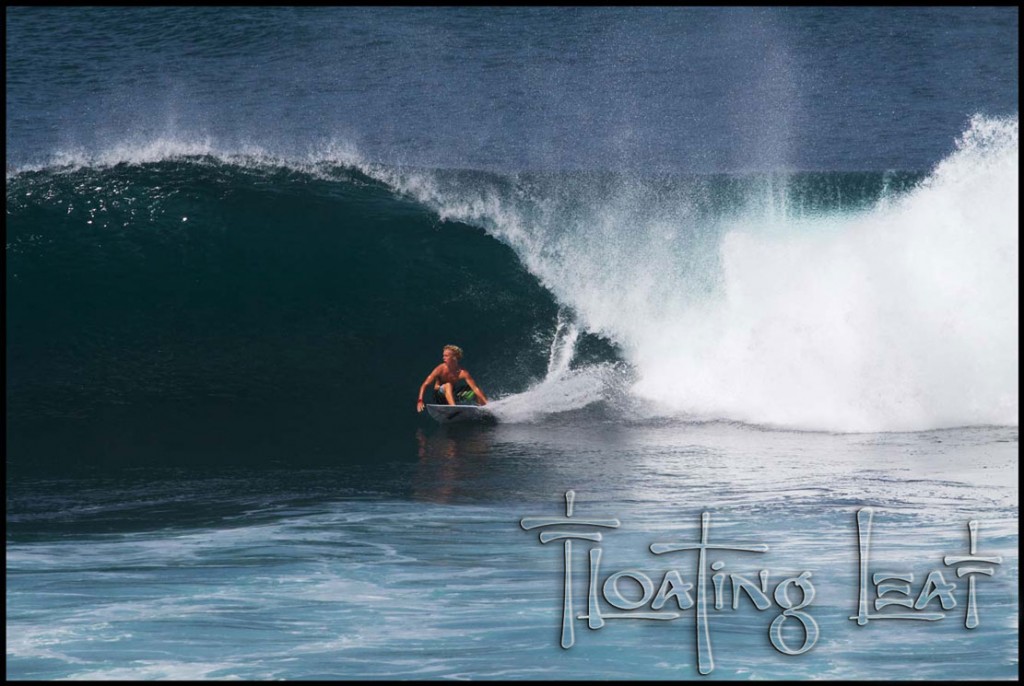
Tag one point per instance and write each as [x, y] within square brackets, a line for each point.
[447, 414]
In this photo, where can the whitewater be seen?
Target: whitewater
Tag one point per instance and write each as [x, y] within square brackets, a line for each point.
[899, 315]
[746, 276]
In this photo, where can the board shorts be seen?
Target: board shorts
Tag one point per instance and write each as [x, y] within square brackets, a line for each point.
[463, 395]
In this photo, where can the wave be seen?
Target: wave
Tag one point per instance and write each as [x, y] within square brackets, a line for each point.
[841, 302]
[823, 301]
[193, 302]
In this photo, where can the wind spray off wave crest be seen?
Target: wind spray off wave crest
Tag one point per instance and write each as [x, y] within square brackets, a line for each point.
[831, 301]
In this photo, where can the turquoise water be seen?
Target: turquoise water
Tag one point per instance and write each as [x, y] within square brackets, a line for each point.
[422, 570]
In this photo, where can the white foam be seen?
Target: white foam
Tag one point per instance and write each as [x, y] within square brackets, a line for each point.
[903, 317]
[571, 390]
[899, 317]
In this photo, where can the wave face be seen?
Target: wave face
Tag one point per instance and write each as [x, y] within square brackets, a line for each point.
[199, 297]
[840, 302]
[203, 288]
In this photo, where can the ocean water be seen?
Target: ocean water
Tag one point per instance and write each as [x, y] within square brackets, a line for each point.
[742, 276]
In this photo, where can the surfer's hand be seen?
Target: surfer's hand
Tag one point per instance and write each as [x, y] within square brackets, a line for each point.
[419, 405]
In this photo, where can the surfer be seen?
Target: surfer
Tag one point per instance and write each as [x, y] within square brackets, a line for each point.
[451, 381]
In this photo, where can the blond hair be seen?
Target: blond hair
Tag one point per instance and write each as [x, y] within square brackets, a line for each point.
[456, 350]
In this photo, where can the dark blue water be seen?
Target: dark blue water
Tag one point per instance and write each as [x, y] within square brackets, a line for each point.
[759, 263]
[695, 89]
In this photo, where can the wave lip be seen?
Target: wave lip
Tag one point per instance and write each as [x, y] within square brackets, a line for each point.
[771, 301]
[176, 307]
[836, 302]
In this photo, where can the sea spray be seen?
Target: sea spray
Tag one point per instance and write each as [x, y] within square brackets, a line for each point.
[901, 317]
[834, 301]
[895, 314]
[563, 345]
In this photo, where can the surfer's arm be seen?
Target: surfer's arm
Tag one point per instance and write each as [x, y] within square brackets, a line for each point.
[476, 389]
[423, 387]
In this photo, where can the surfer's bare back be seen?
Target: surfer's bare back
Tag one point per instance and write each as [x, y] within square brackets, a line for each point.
[451, 381]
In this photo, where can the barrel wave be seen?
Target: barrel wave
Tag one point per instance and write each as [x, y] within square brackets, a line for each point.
[849, 302]
[193, 304]
[187, 300]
